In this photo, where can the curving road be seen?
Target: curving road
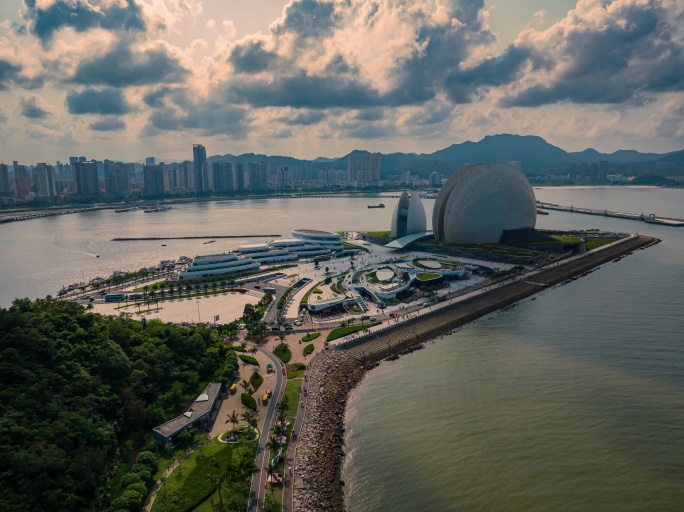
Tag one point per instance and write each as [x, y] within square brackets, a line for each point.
[258, 488]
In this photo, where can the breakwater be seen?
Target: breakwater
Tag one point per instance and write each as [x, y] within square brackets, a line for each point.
[650, 218]
[318, 484]
[156, 238]
[319, 455]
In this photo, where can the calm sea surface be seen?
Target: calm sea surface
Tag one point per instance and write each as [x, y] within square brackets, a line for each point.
[572, 401]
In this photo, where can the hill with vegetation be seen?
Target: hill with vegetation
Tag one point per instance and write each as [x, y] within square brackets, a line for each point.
[81, 391]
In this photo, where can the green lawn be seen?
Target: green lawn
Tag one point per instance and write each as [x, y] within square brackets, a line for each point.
[309, 349]
[305, 299]
[344, 331]
[292, 390]
[296, 370]
[427, 276]
[594, 243]
[379, 234]
[256, 380]
[348, 246]
[190, 479]
[568, 239]
[310, 337]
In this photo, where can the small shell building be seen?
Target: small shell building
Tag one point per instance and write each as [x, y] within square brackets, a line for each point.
[478, 203]
[409, 216]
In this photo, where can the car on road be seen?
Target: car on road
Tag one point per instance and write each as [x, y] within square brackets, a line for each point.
[269, 368]
[373, 319]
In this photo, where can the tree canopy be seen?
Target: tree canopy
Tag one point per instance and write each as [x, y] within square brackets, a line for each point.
[76, 386]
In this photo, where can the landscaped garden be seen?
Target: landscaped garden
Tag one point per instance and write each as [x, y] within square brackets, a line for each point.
[256, 380]
[295, 371]
[249, 360]
[283, 352]
[596, 242]
[347, 330]
[309, 349]
[311, 336]
[219, 469]
[427, 276]
[235, 434]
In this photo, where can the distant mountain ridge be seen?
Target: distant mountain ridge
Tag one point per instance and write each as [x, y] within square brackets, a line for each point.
[533, 153]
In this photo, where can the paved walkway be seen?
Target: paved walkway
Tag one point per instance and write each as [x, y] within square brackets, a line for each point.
[258, 487]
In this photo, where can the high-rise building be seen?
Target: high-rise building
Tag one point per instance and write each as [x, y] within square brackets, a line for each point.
[364, 167]
[85, 177]
[238, 177]
[46, 180]
[199, 157]
[258, 177]
[436, 179]
[283, 178]
[118, 179]
[4, 181]
[153, 179]
[150, 160]
[22, 181]
[222, 173]
[405, 177]
[82, 159]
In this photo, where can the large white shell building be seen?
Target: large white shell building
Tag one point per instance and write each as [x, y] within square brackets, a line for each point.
[480, 201]
[409, 216]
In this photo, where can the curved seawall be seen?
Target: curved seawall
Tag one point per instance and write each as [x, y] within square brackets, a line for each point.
[342, 369]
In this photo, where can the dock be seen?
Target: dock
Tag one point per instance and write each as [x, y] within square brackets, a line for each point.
[648, 218]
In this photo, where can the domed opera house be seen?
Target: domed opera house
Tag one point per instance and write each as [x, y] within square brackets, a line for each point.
[409, 216]
[478, 203]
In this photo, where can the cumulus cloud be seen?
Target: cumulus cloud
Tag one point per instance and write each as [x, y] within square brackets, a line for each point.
[604, 52]
[33, 108]
[303, 118]
[108, 125]
[47, 17]
[122, 66]
[97, 101]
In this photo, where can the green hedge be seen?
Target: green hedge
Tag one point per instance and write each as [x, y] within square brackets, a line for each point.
[283, 352]
[249, 360]
[311, 337]
[308, 349]
[345, 331]
[248, 401]
[238, 348]
[256, 380]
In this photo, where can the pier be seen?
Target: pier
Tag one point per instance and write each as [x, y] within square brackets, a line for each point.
[650, 218]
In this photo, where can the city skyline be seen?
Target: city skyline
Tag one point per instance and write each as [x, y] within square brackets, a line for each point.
[322, 77]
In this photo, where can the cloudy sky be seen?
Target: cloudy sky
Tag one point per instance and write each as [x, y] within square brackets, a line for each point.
[126, 79]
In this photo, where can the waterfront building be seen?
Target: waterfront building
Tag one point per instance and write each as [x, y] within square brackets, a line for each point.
[363, 167]
[222, 173]
[22, 181]
[258, 176]
[201, 414]
[409, 216]
[218, 265]
[238, 177]
[153, 180]
[200, 170]
[85, 177]
[478, 203]
[5, 190]
[328, 239]
[46, 180]
[436, 179]
[118, 179]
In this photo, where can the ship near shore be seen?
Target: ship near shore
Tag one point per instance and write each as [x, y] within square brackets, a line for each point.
[381, 205]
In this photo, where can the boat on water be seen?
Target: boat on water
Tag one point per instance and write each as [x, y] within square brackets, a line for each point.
[542, 212]
[123, 210]
[381, 205]
[156, 208]
[209, 242]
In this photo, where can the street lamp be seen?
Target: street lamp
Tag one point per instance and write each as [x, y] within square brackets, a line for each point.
[199, 317]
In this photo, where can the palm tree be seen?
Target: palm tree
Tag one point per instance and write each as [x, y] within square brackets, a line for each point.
[281, 416]
[247, 387]
[281, 336]
[253, 350]
[223, 284]
[279, 430]
[233, 418]
[206, 288]
[270, 470]
[364, 318]
[89, 307]
[272, 445]
[145, 288]
[250, 418]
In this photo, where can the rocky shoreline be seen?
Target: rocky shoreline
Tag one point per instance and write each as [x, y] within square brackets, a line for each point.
[320, 454]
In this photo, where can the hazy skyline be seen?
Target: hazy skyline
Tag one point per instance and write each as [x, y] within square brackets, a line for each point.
[134, 78]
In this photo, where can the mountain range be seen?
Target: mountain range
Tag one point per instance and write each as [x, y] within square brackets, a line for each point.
[534, 154]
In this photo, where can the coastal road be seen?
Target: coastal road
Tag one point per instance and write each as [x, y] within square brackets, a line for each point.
[288, 480]
[258, 487]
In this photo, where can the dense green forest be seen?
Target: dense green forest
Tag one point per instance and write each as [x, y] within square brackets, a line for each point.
[79, 389]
